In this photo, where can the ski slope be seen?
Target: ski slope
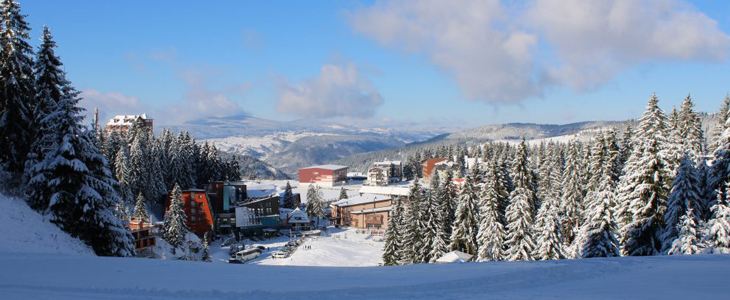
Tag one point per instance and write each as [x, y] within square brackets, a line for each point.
[23, 230]
[44, 276]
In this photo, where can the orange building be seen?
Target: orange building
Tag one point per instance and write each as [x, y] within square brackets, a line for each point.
[365, 211]
[324, 175]
[429, 165]
[197, 208]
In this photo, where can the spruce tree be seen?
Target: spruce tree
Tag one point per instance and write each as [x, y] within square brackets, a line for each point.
[718, 235]
[520, 211]
[206, 250]
[16, 88]
[491, 234]
[466, 224]
[571, 206]
[684, 194]
[140, 209]
[392, 235]
[600, 234]
[288, 196]
[314, 201]
[688, 239]
[122, 173]
[549, 239]
[175, 229]
[413, 238]
[646, 185]
[343, 194]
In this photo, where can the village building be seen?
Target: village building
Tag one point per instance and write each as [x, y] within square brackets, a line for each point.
[428, 165]
[297, 220]
[323, 175]
[384, 172]
[122, 123]
[198, 210]
[143, 239]
[363, 211]
[223, 197]
[393, 191]
[256, 214]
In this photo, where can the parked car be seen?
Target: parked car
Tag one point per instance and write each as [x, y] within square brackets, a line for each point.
[279, 254]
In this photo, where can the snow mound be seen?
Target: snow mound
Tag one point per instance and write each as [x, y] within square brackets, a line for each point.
[23, 230]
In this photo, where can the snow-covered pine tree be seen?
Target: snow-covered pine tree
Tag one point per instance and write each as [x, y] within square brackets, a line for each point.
[440, 224]
[122, 173]
[447, 195]
[343, 194]
[599, 236]
[571, 206]
[646, 185]
[288, 196]
[683, 195]
[491, 234]
[206, 250]
[430, 222]
[466, 223]
[49, 80]
[722, 116]
[720, 166]
[688, 240]
[81, 189]
[548, 231]
[140, 209]
[689, 130]
[391, 249]
[16, 89]
[718, 234]
[520, 211]
[413, 238]
[175, 229]
[314, 199]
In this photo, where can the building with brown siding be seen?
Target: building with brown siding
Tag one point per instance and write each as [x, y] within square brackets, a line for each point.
[429, 165]
[122, 123]
[365, 211]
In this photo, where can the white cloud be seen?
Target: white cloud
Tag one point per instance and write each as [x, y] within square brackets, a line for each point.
[339, 90]
[110, 104]
[507, 53]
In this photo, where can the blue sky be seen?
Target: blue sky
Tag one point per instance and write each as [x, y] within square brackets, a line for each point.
[391, 63]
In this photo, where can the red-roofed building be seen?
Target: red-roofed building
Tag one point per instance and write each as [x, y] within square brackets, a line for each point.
[323, 175]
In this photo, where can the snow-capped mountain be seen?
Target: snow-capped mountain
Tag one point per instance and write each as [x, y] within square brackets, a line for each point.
[288, 146]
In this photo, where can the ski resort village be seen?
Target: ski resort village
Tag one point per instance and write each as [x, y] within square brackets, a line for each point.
[388, 149]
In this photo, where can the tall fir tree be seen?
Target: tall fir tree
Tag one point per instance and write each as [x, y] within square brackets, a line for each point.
[646, 185]
[571, 206]
[140, 209]
[684, 194]
[491, 234]
[175, 229]
[688, 239]
[520, 210]
[392, 245]
[600, 233]
[718, 234]
[466, 223]
[412, 234]
[288, 196]
[17, 91]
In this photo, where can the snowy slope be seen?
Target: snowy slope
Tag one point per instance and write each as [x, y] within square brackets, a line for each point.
[22, 230]
[27, 276]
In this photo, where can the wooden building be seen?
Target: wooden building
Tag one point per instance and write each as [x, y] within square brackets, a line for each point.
[364, 211]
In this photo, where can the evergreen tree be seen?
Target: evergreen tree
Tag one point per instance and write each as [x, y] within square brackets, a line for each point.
[140, 209]
[688, 240]
[343, 194]
[16, 88]
[491, 234]
[123, 175]
[646, 185]
[206, 250]
[691, 138]
[314, 201]
[718, 235]
[466, 224]
[520, 211]
[288, 196]
[548, 231]
[413, 239]
[175, 229]
[684, 194]
[721, 117]
[572, 195]
[600, 234]
[392, 235]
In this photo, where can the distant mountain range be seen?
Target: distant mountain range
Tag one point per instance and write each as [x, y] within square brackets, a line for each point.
[288, 146]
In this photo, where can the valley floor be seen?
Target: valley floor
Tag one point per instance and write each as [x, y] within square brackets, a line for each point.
[61, 276]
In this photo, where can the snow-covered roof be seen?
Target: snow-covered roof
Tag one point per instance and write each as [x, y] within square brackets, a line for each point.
[326, 167]
[260, 190]
[397, 190]
[372, 210]
[364, 198]
[385, 163]
[126, 120]
[298, 214]
[454, 256]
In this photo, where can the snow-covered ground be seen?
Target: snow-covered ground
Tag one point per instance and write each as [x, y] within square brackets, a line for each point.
[44, 276]
[22, 230]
